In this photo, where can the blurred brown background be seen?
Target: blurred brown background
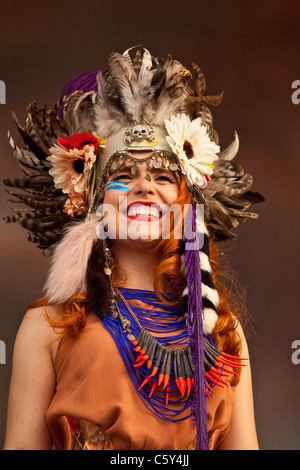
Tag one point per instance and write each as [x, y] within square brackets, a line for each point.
[249, 49]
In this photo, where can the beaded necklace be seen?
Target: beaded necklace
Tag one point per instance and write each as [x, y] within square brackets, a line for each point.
[159, 363]
[168, 328]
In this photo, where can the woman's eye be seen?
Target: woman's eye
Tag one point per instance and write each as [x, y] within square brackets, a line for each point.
[120, 177]
[169, 179]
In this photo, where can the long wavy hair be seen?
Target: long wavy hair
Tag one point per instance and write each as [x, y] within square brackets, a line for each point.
[168, 278]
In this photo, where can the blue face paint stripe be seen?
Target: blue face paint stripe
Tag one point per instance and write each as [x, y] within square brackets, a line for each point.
[117, 182]
[118, 185]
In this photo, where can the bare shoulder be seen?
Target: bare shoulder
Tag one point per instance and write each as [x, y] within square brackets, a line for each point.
[36, 332]
[38, 314]
[242, 434]
[32, 382]
[242, 335]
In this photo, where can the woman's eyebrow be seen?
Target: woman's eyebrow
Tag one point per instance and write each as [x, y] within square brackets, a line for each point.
[127, 169]
[162, 170]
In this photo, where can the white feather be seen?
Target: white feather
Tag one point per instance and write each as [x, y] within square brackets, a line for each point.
[69, 263]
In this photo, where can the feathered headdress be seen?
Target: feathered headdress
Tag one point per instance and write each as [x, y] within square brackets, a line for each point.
[135, 88]
[138, 102]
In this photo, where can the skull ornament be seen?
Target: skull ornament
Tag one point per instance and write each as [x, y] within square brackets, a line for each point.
[139, 133]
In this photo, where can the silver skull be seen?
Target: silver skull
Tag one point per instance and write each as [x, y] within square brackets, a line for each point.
[139, 133]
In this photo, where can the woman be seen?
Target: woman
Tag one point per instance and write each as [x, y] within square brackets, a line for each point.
[129, 193]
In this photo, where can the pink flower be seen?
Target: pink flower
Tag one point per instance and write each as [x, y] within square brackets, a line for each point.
[71, 166]
[75, 204]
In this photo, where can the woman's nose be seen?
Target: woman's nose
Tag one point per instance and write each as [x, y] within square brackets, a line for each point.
[143, 186]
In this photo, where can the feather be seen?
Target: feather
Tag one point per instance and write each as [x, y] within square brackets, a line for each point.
[230, 152]
[40, 151]
[143, 67]
[39, 225]
[173, 93]
[134, 83]
[39, 203]
[33, 180]
[26, 157]
[79, 112]
[39, 193]
[200, 82]
[69, 263]
[213, 100]
[228, 194]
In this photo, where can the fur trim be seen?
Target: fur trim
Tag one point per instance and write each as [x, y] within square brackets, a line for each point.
[69, 263]
[210, 296]
[210, 320]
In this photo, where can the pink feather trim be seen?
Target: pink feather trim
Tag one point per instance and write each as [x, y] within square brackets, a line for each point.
[69, 262]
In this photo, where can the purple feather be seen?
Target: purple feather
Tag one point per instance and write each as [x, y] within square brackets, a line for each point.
[85, 82]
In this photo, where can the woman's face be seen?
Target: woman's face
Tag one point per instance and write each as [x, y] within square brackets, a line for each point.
[135, 208]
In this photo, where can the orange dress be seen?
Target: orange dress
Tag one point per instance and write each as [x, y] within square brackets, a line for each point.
[95, 405]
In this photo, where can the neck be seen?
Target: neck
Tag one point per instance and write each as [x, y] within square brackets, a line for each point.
[137, 263]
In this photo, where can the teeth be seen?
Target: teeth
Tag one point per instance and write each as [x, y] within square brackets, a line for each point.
[146, 211]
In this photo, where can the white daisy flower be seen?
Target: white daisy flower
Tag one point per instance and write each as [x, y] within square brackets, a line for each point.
[196, 153]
